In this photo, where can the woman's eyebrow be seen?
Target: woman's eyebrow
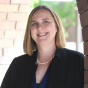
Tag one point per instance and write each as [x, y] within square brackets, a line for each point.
[46, 19]
[42, 19]
[33, 21]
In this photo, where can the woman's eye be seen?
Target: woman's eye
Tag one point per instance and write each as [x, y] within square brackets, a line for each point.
[34, 24]
[45, 21]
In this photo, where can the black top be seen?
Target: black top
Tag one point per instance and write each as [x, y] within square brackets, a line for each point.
[66, 70]
[38, 84]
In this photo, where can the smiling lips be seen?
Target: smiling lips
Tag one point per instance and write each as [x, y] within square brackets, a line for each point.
[41, 35]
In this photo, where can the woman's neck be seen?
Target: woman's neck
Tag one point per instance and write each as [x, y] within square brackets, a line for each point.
[46, 52]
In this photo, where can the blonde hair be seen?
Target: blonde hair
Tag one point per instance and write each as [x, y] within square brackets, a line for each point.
[29, 44]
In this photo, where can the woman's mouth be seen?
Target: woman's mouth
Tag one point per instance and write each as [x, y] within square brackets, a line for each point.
[43, 34]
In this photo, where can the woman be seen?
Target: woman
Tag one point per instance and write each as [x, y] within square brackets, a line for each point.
[47, 63]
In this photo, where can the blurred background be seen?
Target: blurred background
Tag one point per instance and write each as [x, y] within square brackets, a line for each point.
[13, 19]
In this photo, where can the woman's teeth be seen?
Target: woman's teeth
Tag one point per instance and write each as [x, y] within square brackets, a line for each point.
[42, 34]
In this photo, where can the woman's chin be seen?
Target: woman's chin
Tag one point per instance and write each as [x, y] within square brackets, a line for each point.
[42, 43]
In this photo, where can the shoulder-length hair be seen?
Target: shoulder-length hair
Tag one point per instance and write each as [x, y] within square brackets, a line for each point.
[29, 44]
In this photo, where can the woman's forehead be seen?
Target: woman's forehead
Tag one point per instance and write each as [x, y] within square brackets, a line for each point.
[41, 13]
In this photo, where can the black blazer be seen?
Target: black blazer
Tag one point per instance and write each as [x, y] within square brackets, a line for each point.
[66, 71]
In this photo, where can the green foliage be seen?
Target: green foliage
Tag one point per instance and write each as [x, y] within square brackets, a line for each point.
[34, 3]
[65, 10]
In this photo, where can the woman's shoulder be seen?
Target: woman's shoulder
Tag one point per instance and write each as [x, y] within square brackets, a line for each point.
[74, 56]
[22, 59]
[64, 52]
[73, 52]
[71, 56]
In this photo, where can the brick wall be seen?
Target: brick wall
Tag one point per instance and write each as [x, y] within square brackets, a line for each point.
[83, 11]
[13, 18]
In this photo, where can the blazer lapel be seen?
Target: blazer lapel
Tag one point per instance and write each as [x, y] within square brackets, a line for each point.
[56, 70]
[31, 71]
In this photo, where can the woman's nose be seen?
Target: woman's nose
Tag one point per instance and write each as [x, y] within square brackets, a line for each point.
[40, 26]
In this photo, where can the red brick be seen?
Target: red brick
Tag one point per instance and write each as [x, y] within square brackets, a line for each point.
[5, 43]
[86, 63]
[1, 33]
[21, 1]
[82, 5]
[17, 16]
[8, 8]
[85, 76]
[3, 16]
[6, 51]
[1, 57]
[83, 18]
[85, 85]
[7, 25]
[85, 33]
[77, 0]
[18, 43]
[10, 53]
[14, 34]
[21, 25]
[85, 48]
[0, 53]
[24, 8]
[4, 1]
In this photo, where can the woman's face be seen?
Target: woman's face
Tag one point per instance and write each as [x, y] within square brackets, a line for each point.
[43, 28]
